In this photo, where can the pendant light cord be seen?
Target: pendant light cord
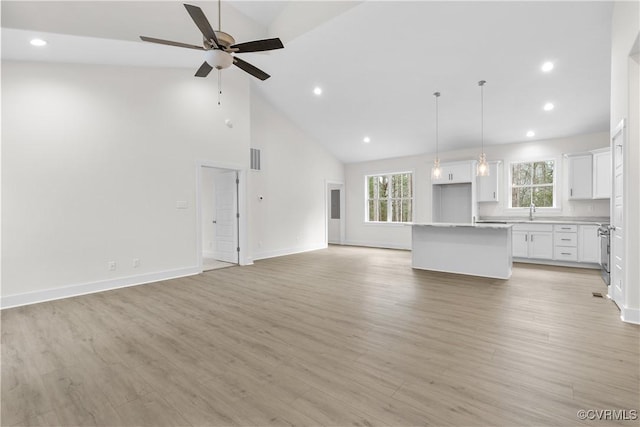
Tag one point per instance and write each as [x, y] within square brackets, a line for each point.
[437, 95]
[219, 18]
[481, 83]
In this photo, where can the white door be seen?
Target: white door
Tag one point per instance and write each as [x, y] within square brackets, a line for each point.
[334, 213]
[617, 263]
[225, 220]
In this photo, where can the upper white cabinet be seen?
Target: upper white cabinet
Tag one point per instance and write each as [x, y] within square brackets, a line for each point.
[487, 186]
[580, 176]
[453, 173]
[602, 173]
[589, 175]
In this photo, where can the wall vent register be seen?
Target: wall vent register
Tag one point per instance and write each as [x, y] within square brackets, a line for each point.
[255, 159]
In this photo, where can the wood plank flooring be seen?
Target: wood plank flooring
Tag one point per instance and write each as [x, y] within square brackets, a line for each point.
[343, 336]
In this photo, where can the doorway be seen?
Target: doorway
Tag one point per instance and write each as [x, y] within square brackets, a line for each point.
[617, 262]
[219, 218]
[335, 213]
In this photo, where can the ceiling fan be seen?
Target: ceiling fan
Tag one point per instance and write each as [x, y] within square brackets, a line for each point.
[220, 48]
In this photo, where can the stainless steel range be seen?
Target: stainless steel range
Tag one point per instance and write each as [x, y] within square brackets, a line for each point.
[605, 252]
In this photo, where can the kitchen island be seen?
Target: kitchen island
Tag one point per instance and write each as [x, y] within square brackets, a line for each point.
[473, 249]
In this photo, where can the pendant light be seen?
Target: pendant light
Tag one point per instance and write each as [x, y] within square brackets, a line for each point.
[436, 172]
[483, 166]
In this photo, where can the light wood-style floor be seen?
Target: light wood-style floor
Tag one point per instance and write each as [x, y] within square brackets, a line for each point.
[343, 336]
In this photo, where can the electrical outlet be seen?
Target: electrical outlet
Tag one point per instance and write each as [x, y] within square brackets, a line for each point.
[136, 262]
[111, 266]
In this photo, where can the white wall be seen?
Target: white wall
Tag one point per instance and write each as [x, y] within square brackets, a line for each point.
[94, 159]
[624, 104]
[291, 217]
[399, 236]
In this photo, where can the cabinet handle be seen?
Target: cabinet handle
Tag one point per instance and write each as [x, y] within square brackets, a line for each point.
[526, 238]
[565, 253]
[532, 237]
[565, 228]
[571, 191]
[566, 240]
[494, 195]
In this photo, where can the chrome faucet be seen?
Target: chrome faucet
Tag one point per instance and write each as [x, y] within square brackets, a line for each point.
[532, 209]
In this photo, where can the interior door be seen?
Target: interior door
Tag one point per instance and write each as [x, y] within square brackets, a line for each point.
[225, 221]
[334, 214]
[616, 287]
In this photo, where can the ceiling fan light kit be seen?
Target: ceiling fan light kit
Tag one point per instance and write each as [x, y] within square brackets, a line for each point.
[218, 59]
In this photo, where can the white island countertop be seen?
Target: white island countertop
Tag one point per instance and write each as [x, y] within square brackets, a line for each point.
[458, 224]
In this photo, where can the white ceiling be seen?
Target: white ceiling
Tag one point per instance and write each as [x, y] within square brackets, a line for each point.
[377, 62]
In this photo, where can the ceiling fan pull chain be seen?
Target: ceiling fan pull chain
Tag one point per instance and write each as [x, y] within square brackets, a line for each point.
[219, 86]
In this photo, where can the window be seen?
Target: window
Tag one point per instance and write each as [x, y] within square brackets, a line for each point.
[533, 182]
[389, 197]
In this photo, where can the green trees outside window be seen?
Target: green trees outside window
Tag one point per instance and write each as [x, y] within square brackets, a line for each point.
[390, 197]
[532, 182]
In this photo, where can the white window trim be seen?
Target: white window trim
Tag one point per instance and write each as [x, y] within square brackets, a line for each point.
[556, 174]
[366, 198]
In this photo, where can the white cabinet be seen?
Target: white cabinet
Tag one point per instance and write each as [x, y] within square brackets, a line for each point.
[602, 173]
[588, 244]
[589, 175]
[565, 242]
[520, 244]
[453, 173]
[488, 185]
[580, 185]
[541, 245]
[532, 241]
[574, 244]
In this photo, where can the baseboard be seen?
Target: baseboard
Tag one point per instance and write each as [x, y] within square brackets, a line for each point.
[381, 245]
[555, 263]
[27, 298]
[630, 315]
[284, 252]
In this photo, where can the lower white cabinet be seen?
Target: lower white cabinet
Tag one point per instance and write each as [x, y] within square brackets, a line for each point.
[588, 244]
[565, 242]
[572, 243]
[532, 241]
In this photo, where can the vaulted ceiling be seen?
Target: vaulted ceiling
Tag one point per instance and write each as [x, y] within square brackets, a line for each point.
[377, 62]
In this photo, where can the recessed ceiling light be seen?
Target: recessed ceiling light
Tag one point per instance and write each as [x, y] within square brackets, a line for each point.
[531, 134]
[317, 90]
[547, 66]
[366, 140]
[548, 106]
[38, 42]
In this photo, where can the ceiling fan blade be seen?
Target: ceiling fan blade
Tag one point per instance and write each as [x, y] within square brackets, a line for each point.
[258, 45]
[203, 23]
[204, 70]
[251, 69]
[170, 43]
